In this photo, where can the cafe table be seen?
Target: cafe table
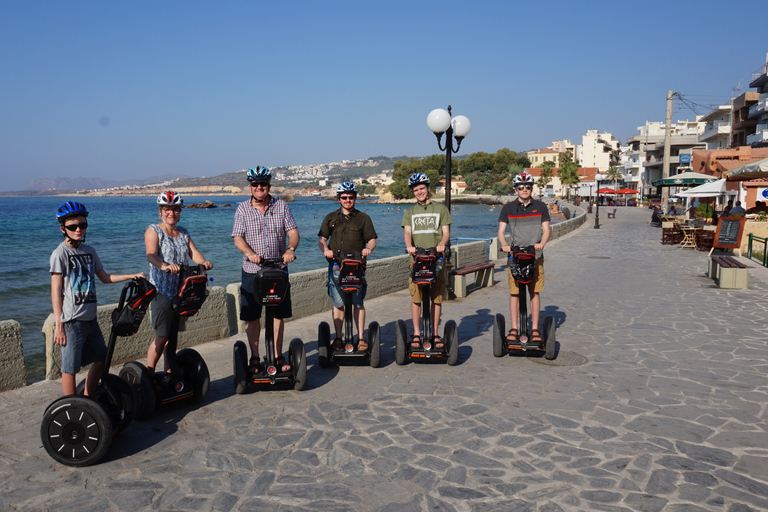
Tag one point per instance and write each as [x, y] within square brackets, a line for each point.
[689, 236]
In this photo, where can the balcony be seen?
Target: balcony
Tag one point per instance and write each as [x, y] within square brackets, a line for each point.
[759, 76]
[758, 109]
[760, 137]
[714, 130]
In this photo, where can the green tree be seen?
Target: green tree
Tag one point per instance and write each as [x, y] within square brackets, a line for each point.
[545, 177]
[569, 176]
[615, 175]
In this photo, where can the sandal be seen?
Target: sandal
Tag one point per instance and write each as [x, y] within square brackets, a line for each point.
[282, 365]
[535, 337]
[336, 345]
[254, 366]
[362, 345]
[513, 336]
[437, 342]
[415, 342]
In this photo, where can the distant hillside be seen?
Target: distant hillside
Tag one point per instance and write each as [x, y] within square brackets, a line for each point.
[83, 183]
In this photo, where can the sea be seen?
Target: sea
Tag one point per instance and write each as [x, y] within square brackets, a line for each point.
[116, 228]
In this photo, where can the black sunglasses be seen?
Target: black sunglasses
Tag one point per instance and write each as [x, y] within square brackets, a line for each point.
[346, 198]
[263, 184]
[521, 187]
[75, 227]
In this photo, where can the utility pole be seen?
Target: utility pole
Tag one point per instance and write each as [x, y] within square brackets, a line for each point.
[667, 151]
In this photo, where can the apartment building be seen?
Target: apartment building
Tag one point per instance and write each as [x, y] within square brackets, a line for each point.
[599, 150]
[717, 127]
[758, 112]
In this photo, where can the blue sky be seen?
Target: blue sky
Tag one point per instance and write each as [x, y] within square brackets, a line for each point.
[135, 89]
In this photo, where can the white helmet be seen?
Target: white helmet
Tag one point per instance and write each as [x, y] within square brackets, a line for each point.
[170, 198]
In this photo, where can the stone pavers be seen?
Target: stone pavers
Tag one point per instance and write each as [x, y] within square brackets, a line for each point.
[668, 413]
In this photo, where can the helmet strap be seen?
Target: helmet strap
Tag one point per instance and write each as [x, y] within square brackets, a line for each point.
[71, 241]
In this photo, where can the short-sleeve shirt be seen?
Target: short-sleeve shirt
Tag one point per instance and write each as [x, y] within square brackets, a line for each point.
[174, 250]
[347, 233]
[525, 222]
[427, 223]
[264, 232]
[78, 267]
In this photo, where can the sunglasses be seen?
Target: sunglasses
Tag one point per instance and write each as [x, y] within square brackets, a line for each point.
[262, 184]
[346, 198]
[521, 187]
[75, 227]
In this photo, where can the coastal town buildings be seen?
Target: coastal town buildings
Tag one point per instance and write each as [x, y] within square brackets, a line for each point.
[556, 188]
[599, 150]
[717, 127]
[759, 111]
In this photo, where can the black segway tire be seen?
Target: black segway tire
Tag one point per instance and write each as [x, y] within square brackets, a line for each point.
[451, 338]
[323, 344]
[138, 377]
[400, 350]
[194, 370]
[550, 338]
[117, 399]
[499, 330]
[374, 344]
[76, 431]
[240, 367]
[298, 358]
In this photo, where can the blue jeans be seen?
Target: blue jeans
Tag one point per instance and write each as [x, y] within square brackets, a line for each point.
[337, 294]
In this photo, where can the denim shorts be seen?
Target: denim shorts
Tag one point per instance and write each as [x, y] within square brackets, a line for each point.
[250, 310]
[85, 345]
[337, 295]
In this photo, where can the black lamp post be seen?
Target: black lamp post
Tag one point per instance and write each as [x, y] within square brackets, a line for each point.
[597, 202]
[440, 122]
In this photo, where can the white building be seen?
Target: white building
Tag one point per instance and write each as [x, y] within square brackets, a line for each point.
[717, 127]
[599, 150]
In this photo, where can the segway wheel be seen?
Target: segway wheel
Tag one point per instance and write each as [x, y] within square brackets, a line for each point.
[374, 344]
[194, 370]
[323, 344]
[498, 335]
[451, 337]
[240, 367]
[298, 358]
[550, 338]
[138, 377]
[400, 334]
[116, 398]
[76, 431]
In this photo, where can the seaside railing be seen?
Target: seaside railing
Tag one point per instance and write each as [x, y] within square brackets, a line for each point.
[756, 255]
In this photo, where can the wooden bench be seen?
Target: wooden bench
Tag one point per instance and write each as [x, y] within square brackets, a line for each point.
[728, 272]
[612, 215]
[483, 278]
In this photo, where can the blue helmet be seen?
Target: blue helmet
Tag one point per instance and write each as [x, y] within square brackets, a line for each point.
[71, 209]
[346, 186]
[418, 179]
[258, 174]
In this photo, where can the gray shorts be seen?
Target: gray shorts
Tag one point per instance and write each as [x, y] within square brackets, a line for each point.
[85, 345]
[161, 312]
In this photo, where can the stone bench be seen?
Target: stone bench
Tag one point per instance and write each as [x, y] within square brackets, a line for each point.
[483, 278]
[728, 272]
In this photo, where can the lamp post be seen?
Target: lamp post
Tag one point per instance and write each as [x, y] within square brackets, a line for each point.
[440, 122]
[597, 202]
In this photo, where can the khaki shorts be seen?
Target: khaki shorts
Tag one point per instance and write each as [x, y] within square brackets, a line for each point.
[435, 289]
[538, 279]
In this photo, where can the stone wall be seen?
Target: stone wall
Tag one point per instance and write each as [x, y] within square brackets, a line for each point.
[13, 373]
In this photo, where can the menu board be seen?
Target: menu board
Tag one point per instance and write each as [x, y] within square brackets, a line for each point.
[729, 231]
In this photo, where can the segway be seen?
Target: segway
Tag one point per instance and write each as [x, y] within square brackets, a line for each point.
[188, 378]
[270, 288]
[522, 264]
[426, 267]
[349, 273]
[77, 430]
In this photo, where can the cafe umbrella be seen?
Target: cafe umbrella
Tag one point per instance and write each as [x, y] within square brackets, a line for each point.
[683, 179]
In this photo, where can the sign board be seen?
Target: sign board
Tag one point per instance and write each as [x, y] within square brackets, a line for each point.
[685, 158]
[729, 231]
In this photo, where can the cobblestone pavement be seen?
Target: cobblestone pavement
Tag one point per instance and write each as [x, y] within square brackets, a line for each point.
[668, 411]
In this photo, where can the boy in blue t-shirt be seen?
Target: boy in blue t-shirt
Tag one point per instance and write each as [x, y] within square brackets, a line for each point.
[74, 267]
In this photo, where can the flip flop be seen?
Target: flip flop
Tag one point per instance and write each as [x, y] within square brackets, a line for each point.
[362, 345]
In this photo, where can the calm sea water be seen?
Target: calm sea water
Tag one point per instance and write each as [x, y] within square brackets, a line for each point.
[116, 228]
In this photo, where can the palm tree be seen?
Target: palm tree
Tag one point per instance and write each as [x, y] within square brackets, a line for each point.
[569, 176]
[615, 175]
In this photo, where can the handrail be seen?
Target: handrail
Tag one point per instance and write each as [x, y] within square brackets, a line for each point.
[764, 241]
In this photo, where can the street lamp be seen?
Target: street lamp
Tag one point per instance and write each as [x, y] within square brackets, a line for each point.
[597, 202]
[440, 122]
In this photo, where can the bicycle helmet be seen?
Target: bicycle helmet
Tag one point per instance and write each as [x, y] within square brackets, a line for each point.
[346, 186]
[418, 179]
[71, 209]
[523, 179]
[170, 198]
[259, 174]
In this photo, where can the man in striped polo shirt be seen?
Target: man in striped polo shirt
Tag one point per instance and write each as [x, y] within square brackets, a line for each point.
[528, 221]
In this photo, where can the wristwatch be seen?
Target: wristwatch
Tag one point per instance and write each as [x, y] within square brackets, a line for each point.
[291, 249]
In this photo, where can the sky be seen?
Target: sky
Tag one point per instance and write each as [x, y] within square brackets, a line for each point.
[121, 90]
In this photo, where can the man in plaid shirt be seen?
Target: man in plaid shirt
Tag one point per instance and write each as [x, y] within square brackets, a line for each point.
[261, 224]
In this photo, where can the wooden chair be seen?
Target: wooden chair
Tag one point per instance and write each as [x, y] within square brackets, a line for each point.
[670, 233]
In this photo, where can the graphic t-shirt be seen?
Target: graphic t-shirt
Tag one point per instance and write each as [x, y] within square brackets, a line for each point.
[426, 223]
[78, 267]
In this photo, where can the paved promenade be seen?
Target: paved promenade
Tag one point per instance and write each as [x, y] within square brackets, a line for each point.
[667, 411]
